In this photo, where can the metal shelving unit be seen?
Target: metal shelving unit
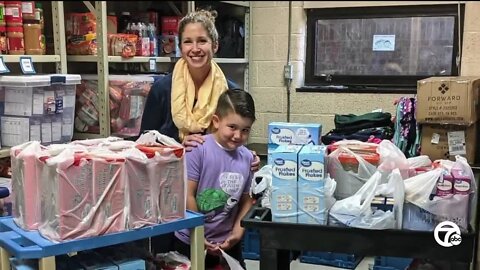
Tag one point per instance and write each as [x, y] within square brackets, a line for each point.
[146, 59]
[4, 152]
[238, 3]
[59, 58]
[35, 58]
[103, 60]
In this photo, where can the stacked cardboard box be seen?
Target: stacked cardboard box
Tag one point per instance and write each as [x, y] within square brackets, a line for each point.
[448, 111]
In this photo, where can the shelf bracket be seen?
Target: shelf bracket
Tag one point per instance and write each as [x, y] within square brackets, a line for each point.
[174, 8]
[90, 7]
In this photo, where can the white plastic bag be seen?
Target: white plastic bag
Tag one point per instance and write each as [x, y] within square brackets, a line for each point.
[264, 187]
[348, 182]
[452, 207]
[356, 210]
[153, 137]
[418, 162]
[172, 261]
[391, 157]
[232, 262]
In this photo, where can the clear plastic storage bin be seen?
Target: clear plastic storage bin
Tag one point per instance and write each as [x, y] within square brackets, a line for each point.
[127, 93]
[37, 107]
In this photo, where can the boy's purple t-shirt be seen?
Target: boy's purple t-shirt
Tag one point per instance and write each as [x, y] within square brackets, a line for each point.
[223, 176]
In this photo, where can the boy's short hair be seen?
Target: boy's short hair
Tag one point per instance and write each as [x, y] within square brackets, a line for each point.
[237, 101]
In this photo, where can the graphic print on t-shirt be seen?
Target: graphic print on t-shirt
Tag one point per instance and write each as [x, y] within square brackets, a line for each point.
[213, 201]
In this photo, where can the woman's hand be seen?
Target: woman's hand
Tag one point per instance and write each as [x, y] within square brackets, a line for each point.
[192, 140]
[255, 165]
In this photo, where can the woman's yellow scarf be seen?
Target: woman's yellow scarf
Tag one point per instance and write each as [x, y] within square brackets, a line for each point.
[189, 118]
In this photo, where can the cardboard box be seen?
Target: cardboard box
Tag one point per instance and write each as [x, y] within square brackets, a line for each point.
[448, 100]
[284, 183]
[282, 133]
[312, 208]
[435, 141]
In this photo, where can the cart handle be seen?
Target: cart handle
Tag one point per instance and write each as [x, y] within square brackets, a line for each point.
[9, 241]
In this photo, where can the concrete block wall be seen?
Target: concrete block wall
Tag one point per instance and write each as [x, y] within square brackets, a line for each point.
[269, 55]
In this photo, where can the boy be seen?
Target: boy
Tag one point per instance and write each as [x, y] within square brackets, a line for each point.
[219, 178]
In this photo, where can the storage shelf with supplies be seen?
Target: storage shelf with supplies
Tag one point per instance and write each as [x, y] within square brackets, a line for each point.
[235, 67]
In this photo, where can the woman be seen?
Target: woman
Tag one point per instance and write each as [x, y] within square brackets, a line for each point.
[181, 104]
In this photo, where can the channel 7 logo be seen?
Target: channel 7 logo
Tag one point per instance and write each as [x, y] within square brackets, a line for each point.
[452, 235]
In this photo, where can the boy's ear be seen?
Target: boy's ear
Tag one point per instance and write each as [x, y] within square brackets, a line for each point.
[216, 121]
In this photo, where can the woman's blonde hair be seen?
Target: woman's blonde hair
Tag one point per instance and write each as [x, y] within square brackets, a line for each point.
[203, 16]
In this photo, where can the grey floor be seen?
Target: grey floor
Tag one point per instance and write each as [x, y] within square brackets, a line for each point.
[365, 264]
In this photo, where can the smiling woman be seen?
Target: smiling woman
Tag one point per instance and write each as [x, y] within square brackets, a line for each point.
[181, 104]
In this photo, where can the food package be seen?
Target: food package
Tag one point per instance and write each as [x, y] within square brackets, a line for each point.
[122, 45]
[127, 93]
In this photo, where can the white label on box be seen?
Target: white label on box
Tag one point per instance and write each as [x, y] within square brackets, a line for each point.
[284, 206]
[68, 101]
[435, 138]
[284, 198]
[49, 101]
[311, 208]
[35, 133]
[311, 199]
[56, 131]
[15, 130]
[456, 143]
[38, 103]
[18, 101]
[46, 132]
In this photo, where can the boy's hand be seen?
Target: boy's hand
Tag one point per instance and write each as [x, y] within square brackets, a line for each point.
[212, 249]
[231, 241]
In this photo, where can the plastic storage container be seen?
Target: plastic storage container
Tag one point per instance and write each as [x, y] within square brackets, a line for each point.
[343, 260]
[37, 107]
[65, 87]
[251, 244]
[128, 94]
[391, 263]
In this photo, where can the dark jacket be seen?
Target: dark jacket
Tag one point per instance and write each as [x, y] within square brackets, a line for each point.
[157, 114]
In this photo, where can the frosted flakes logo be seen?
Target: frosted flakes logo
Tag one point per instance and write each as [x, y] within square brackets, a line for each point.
[452, 235]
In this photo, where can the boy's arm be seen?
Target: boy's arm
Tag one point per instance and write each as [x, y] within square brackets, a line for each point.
[191, 194]
[245, 204]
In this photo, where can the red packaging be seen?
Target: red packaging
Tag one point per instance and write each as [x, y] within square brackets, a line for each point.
[13, 13]
[15, 42]
[168, 170]
[170, 25]
[3, 40]
[350, 163]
